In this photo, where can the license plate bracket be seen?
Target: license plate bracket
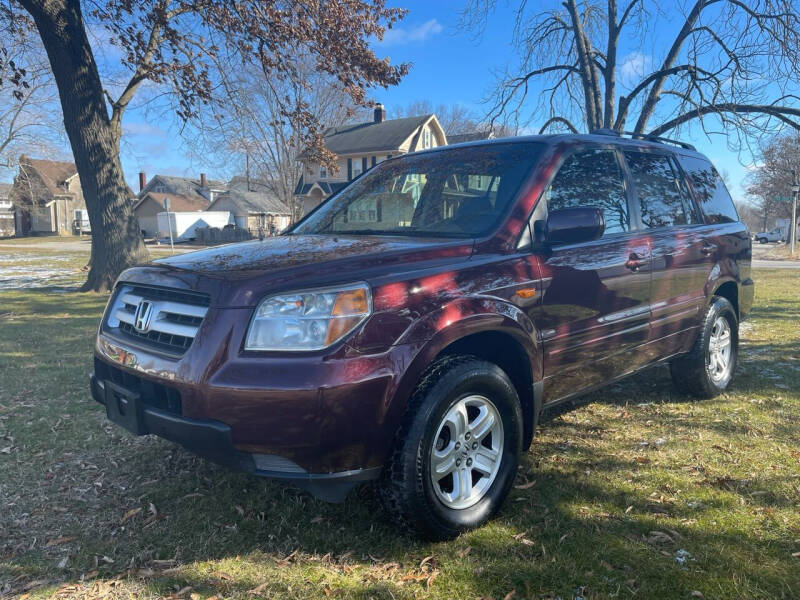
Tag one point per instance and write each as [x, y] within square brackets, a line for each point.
[123, 407]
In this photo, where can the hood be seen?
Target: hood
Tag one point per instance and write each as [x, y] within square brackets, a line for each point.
[241, 274]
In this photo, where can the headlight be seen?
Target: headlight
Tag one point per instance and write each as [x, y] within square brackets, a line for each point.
[309, 320]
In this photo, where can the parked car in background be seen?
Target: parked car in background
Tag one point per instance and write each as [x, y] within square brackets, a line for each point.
[410, 330]
[775, 235]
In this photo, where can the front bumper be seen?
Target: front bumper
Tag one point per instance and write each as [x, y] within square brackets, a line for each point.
[212, 439]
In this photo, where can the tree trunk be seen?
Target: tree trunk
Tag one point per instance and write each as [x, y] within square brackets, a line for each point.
[116, 240]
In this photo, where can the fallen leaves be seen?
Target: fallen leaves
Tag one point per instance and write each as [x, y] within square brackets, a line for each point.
[525, 486]
[60, 540]
[520, 537]
[130, 514]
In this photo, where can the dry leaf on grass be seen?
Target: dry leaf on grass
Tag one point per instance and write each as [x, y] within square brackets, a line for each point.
[130, 514]
[658, 537]
[258, 589]
[61, 540]
[525, 486]
[288, 559]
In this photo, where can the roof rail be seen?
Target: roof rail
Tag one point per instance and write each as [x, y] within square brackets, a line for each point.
[643, 136]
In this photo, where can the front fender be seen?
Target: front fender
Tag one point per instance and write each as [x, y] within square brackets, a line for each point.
[432, 334]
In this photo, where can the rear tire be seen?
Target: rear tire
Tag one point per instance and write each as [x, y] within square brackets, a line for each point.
[762, 240]
[467, 410]
[708, 368]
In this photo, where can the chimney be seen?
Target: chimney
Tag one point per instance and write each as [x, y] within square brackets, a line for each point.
[142, 180]
[203, 182]
[380, 113]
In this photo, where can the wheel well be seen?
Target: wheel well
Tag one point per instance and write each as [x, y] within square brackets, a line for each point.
[730, 292]
[508, 354]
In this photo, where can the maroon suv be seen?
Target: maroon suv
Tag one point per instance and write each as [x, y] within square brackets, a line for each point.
[412, 327]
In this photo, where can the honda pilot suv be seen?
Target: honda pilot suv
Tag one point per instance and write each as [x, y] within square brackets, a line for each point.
[411, 329]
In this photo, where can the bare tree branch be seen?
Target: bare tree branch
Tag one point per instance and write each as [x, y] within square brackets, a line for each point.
[782, 113]
[561, 120]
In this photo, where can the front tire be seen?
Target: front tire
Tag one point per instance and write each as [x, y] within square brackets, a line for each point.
[457, 450]
[708, 368]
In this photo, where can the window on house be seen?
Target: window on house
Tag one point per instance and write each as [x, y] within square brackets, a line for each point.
[356, 169]
[323, 173]
[426, 138]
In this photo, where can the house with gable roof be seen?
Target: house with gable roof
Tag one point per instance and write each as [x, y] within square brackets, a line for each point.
[46, 195]
[182, 194]
[360, 146]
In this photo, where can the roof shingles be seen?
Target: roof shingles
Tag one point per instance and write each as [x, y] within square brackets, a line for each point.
[372, 137]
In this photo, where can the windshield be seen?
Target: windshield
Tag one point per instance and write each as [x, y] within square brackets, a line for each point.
[459, 192]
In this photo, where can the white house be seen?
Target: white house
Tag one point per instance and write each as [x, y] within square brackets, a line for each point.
[360, 146]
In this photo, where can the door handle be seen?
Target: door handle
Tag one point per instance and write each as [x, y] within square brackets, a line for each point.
[708, 248]
[634, 262]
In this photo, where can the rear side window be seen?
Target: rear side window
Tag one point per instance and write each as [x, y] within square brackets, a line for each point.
[658, 188]
[712, 195]
[591, 178]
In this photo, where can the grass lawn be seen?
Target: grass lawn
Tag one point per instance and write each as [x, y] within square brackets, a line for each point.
[641, 492]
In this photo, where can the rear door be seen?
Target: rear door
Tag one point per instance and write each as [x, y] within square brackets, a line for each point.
[682, 256]
[595, 302]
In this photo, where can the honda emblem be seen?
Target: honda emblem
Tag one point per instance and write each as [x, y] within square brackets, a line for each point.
[141, 320]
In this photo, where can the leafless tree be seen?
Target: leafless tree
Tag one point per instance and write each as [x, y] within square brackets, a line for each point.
[732, 65]
[247, 127]
[454, 118]
[770, 183]
[751, 215]
[30, 115]
[174, 44]
[457, 118]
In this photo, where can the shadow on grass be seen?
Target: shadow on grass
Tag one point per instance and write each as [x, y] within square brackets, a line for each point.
[578, 530]
[233, 532]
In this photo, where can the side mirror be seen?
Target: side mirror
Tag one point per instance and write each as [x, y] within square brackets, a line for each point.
[572, 225]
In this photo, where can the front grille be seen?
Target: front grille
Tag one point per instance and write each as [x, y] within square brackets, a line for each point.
[152, 394]
[173, 320]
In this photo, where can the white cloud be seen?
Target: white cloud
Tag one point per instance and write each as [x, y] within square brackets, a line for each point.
[634, 67]
[143, 128]
[417, 33]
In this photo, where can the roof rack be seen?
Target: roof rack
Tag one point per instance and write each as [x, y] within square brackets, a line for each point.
[643, 136]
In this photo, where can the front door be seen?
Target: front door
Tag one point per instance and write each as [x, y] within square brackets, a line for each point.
[594, 311]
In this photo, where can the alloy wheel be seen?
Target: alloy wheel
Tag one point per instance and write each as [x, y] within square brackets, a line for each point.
[466, 452]
[720, 345]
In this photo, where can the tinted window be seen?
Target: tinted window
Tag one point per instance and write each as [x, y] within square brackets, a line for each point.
[461, 192]
[658, 188]
[712, 195]
[591, 178]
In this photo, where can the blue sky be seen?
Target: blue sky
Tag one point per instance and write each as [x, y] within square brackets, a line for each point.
[449, 66]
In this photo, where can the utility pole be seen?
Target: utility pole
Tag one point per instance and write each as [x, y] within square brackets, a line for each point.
[793, 225]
